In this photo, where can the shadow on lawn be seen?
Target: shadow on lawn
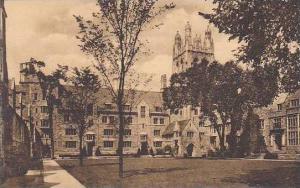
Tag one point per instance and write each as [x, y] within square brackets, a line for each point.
[148, 171]
[71, 166]
[276, 177]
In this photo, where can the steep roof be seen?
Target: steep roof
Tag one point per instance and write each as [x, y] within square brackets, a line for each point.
[171, 127]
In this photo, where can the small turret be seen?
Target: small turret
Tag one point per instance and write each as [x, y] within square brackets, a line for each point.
[197, 43]
[208, 44]
[177, 45]
[188, 36]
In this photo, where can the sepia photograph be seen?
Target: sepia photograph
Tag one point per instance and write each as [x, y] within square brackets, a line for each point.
[149, 93]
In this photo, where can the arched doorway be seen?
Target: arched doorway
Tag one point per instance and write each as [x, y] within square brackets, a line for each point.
[189, 150]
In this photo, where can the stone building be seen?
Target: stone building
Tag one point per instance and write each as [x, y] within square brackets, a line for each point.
[280, 126]
[145, 115]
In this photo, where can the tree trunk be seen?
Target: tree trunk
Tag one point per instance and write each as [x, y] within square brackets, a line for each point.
[120, 145]
[51, 132]
[80, 151]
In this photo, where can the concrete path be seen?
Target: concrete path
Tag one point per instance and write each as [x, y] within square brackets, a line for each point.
[56, 177]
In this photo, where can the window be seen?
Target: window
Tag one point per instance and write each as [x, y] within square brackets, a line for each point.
[127, 144]
[190, 134]
[45, 123]
[36, 110]
[143, 137]
[180, 112]
[279, 107]
[295, 103]
[111, 119]
[201, 135]
[162, 121]
[261, 123]
[45, 135]
[34, 96]
[212, 130]
[277, 123]
[155, 120]
[201, 124]
[293, 135]
[108, 132]
[104, 119]
[126, 108]
[91, 122]
[66, 118]
[108, 106]
[127, 132]
[213, 140]
[158, 109]
[196, 111]
[90, 137]
[156, 132]
[108, 144]
[44, 109]
[70, 144]
[157, 144]
[70, 131]
[143, 111]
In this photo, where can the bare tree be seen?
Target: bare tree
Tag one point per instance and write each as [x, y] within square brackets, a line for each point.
[112, 38]
[49, 83]
[78, 102]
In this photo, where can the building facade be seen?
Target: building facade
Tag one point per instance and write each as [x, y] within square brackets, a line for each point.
[280, 126]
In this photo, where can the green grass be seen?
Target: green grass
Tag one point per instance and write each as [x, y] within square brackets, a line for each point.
[151, 172]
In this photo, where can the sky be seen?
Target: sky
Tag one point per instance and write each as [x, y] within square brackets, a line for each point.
[46, 30]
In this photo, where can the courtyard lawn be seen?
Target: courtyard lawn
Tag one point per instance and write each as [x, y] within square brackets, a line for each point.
[154, 172]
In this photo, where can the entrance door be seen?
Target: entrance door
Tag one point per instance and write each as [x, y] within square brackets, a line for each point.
[90, 148]
[189, 150]
[144, 148]
[278, 140]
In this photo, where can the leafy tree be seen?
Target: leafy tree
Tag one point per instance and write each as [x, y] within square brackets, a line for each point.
[49, 84]
[225, 93]
[112, 38]
[268, 31]
[79, 100]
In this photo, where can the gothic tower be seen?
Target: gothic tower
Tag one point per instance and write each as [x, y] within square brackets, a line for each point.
[191, 50]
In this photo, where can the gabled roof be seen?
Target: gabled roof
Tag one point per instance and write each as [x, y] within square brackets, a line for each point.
[171, 127]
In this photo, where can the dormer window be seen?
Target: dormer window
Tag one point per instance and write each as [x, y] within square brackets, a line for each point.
[126, 107]
[279, 107]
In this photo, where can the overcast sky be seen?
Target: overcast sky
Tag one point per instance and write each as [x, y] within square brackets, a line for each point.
[46, 30]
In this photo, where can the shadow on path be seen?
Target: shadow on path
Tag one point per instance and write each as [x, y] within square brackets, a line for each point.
[148, 171]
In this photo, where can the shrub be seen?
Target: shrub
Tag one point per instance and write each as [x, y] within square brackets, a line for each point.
[151, 152]
[138, 154]
[98, 152]
[160, 151]
[271, 156]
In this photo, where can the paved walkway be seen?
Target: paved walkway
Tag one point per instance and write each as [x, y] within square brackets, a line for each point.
[56, 177]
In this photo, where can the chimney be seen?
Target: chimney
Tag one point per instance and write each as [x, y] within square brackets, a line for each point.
[163, 82]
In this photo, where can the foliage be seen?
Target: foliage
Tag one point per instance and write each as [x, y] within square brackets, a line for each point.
[268, 31]
[224, 92]
[79, 100]
[151, 152]
[112, 38]
[98, 152]
[49, 83]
